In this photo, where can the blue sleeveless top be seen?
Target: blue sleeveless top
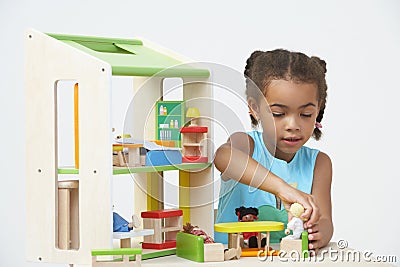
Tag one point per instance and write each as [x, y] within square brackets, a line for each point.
[299, 171]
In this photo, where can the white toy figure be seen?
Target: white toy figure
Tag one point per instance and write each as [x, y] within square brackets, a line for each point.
[296, 224]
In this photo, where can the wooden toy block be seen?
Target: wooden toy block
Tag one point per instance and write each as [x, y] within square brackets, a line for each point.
[124, 262]
[297, 246]
[289, 246]
[213, 252]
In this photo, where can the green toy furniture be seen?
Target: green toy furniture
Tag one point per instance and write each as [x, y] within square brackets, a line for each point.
[192, 247]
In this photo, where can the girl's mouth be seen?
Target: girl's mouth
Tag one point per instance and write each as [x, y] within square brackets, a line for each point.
[292, 141]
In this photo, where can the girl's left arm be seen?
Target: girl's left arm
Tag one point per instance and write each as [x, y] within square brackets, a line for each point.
[321, 233]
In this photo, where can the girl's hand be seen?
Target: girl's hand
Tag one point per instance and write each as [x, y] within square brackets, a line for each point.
[290, 195]
[314, 238]
[319, 234]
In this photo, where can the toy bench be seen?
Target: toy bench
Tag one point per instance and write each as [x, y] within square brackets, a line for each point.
[124, 262]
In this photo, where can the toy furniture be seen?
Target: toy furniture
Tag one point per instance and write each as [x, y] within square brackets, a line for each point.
[192, 247]
[163, 157]
[166, 224]
[91, 62]
[169, 119]
[137, 158]
[235, 228]
[120, 158]
[194, 144]
[298, 246]
[133, 154]
[124, 262]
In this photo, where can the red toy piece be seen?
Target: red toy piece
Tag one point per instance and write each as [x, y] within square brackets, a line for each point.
[161, 213]
[166, 224]
[194, 144]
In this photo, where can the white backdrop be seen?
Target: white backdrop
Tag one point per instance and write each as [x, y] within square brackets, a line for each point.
[360, 41]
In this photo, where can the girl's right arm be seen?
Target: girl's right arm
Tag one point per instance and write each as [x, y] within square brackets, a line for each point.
[233, 159]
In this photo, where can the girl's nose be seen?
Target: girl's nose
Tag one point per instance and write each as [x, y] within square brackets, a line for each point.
[292, 123]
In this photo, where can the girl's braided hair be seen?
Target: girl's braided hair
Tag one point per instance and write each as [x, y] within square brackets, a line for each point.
[263, 67]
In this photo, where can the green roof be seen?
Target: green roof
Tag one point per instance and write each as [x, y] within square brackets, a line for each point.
[129, 57]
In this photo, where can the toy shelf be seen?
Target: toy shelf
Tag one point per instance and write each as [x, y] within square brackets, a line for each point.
[169, 120]
[146, 169]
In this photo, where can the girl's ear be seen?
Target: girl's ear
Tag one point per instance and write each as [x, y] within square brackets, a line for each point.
[253, 108]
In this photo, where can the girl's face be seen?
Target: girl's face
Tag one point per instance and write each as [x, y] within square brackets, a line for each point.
[248, 218]
[287, 116]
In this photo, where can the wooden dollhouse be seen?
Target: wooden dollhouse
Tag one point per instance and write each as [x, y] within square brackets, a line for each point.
[66, 232]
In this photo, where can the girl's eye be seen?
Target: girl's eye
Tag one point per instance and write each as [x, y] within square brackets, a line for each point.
[275, 114]
[306, 115]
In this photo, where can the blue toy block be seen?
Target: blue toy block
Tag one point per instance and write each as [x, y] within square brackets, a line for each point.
[163, 157]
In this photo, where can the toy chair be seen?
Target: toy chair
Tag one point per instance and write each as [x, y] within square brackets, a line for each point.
[166, 224]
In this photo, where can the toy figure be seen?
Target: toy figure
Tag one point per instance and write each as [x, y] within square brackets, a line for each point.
[229, 254]
[122, 225]
[296, 224]
[249, 215]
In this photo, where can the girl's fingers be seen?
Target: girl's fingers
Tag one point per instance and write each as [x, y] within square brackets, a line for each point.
[314, 245]
[308, 209]
[315, 213]
[314, 236]
[307, 213]
[312, 229]
[311, 211]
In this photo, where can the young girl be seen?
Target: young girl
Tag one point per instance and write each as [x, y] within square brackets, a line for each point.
[286, 94]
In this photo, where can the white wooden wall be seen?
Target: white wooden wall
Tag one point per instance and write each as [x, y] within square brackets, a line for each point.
[47, 61]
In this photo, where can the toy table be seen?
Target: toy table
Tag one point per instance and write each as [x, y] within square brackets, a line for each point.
[234, 228]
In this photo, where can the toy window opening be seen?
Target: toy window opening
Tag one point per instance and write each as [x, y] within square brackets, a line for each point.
[67, 154]
[172, 90]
